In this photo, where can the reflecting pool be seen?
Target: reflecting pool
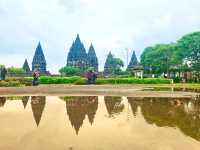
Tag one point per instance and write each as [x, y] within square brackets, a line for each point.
[99, 123]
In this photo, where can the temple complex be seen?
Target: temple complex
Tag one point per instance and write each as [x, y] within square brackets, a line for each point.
[78, 57]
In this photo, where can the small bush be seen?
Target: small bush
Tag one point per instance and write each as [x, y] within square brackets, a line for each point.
[23, 81]
[10, 84]
[81, 81]
[59, 80]
[133, 81]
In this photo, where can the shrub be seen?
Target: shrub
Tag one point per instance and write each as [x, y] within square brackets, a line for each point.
[133, 81]
[23, 81]
[59, 80]
[10, 84]
[69, 71]
[15, 70]
[81, 81]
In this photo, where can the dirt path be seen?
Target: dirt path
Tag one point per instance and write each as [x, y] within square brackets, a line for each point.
[95, 90]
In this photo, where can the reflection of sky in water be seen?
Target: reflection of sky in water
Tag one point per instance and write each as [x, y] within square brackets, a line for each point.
[92, 122]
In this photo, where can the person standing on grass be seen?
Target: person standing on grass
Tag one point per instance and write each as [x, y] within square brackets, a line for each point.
[36, 76]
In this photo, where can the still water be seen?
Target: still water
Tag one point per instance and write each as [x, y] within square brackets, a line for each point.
[99, 123]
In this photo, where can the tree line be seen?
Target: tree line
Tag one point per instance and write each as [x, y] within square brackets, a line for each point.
[181, 56]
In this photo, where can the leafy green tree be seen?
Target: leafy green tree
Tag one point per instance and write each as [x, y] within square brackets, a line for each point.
[70, 71]
[189, 49]
[113, 65]
[1, 65]
[160, 58]
[15, 70]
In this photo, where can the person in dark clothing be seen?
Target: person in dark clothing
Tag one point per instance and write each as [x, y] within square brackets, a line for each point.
[94, 77]
[36, 75]
[3, 73]
[89, 76]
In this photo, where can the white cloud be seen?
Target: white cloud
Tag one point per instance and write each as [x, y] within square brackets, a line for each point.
[110, 25]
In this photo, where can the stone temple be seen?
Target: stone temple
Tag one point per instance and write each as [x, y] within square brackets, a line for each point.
[79, 58]
[39, 61]
[133, 62]
[26, 66]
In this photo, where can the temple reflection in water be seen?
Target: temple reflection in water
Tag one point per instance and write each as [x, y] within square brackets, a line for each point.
[180, 113]
[25, 101]
[2, 101]
[37, 105]
[79, 107]
[113, 105]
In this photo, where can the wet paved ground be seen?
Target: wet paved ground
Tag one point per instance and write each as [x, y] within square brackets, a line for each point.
[98, 90]
[99, 123]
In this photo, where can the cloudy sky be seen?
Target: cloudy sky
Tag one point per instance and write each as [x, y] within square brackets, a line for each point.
[111, 25]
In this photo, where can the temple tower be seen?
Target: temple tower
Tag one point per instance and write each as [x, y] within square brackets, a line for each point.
[77, 56]
[26, 66]
[133, 62]
[107, 66]
[39, 61]
[92, 58]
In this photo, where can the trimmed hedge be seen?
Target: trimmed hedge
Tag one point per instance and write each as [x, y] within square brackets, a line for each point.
[80, 81]
[16, 82]
[133, 81]
[58, 80]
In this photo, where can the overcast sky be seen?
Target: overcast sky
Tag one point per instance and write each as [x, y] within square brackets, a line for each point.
[111, 25]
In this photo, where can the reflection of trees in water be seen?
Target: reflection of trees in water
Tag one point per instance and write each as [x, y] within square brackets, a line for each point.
[25, 100]
[38, 104]
[113, 105]
[79, 107]
[134, 103]
[2, 101]
[173, 113]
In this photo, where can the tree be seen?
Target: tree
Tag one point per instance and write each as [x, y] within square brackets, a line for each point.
[160, 58]
[70, 71]
[1, 65]
[189, 49]
[112, 65]
[15, 70]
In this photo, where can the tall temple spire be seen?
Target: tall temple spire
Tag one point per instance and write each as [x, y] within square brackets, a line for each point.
[39, 61]
[26, 66]
[78, 40]
[133, 62]
[92, 58]
[77, 56]
[107, 66]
